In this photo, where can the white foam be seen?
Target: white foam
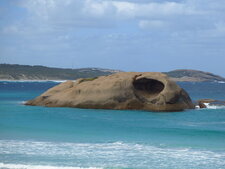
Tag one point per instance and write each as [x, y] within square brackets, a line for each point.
[208, 106]
[117, 154]
[213, 106]
[197, 107]
[22, 102]
[24, 166]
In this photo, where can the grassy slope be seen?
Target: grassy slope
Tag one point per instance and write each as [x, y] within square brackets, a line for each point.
[193, 75]
[25, 72]
[16, 72]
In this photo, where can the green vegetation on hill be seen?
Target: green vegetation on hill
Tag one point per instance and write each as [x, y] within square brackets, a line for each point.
[25, 72]
[193, 75]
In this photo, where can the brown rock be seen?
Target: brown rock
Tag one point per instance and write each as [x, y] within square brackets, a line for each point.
[206, 100]
[125, 90]
[202, 105]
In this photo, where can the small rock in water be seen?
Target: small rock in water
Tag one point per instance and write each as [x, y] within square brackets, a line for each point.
[211, 102]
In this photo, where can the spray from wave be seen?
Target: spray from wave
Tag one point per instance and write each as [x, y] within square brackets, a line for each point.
[214, 106]
[103, 155]
[23, 166]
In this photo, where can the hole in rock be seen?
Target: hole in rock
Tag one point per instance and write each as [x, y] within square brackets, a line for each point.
[148, 86]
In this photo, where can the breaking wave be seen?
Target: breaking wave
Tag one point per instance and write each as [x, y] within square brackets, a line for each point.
[103, 155]
[214, 106]
[208, 106]
[23, 166]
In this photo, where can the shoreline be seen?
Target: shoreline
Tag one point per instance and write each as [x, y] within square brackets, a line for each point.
[61, 81]
[58, 81]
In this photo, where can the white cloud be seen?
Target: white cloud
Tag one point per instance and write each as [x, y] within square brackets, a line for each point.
[73, 28]
[152, 9]
[10, 29]
[98, 8]
[40, 8]
[151, 24]
[100, 13]
[102, 8]
[69, 15]
[220, 27]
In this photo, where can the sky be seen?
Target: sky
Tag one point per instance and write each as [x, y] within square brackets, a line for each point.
[129, 35]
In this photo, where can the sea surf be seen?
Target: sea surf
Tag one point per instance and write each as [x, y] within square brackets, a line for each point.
[71, 138]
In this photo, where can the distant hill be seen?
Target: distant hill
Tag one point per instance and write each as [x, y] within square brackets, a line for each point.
[26, 72]
[193, 76]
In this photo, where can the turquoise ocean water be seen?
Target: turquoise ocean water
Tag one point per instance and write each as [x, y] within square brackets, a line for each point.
[52, 138]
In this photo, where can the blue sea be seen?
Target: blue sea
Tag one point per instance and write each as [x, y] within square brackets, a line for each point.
[33, 137]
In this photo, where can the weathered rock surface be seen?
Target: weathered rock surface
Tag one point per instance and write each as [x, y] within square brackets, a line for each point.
[125, 90]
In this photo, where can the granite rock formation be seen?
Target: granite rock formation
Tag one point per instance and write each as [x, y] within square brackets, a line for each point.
[150, 91]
